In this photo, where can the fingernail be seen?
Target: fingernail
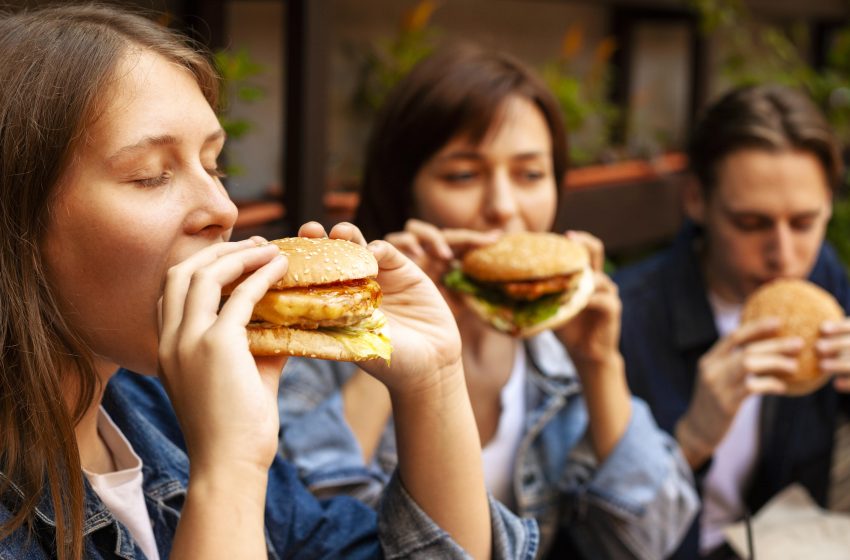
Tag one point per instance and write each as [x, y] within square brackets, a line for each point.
[829, 326]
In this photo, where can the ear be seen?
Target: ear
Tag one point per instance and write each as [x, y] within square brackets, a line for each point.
[693, 200]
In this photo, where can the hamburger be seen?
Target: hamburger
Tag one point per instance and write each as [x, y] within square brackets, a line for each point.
[802, 307]
[524, 283]
[326, 306]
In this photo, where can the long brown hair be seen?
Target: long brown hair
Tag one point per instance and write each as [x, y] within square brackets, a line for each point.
[58, 61]
[460, 89]
[769, 117]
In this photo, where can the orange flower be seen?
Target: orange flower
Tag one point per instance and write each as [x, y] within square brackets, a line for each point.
[418, 17]
[572, 41]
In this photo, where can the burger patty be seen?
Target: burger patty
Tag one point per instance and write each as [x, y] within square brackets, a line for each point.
[530, 290]
[325, 305]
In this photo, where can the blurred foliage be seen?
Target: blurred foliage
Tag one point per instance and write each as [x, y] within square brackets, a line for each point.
[589, 114]
[237, 70]
[583, 95]
[387, 59]
[759, 53]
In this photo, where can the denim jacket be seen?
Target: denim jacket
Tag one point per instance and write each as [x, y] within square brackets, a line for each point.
[297, 524]
[637, 504]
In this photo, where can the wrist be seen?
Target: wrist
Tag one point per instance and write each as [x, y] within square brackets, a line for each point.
[605, 368]
[695, 446]
[443, 382]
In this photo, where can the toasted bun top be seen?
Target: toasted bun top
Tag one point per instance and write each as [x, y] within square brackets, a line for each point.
[324, 261]
[525, 256]
[802, 307]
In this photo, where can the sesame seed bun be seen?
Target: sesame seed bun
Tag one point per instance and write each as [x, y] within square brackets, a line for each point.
[802, 307]
[326, 306]
[526, 282]
[324, 261]
[525, 256]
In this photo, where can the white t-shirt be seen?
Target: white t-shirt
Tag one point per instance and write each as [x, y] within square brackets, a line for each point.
[121, 490]
[735, 457]
[499, 454]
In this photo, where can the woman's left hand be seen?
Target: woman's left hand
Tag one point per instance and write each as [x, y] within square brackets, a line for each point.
[423, 331]
[833, 348]
[592, 337]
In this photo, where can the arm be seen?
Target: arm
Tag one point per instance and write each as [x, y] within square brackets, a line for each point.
[223, 398]
[592, 339]
[737, 366]
[640, 502]
[439, 450]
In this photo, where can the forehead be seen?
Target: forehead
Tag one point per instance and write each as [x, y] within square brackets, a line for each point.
[148, 95]
[755, 179]
[518, 127]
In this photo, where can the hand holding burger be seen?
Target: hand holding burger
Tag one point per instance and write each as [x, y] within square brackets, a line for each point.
[425, 339]
[525, 282]
[802, 308]
[325, 306]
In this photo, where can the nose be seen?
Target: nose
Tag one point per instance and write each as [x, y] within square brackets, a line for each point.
[500, 205]
[780, 252]
[211, 210]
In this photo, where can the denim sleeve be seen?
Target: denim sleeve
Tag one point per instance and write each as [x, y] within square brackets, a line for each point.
[406, 531]
[640, 502]
[315, 436]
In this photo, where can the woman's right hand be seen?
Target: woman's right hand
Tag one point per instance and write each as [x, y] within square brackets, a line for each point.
[224, 398]
[433, 249]
[741, 364]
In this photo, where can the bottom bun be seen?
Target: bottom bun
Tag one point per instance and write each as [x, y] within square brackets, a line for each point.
[573, 302]
[285, 341]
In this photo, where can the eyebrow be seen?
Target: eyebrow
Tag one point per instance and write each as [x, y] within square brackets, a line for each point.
[163, 140]
[477, 156]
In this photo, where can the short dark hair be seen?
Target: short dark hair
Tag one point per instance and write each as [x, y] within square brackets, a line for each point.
[460, 89]
[769, 117]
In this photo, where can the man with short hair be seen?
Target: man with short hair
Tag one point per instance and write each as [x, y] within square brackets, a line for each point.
[766, 166]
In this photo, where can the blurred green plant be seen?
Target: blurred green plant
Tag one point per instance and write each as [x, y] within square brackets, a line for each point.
[237, 70]
[386, 60]
[760, 53]
[589, 114]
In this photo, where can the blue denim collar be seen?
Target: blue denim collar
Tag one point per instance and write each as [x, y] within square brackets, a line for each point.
[164, 480]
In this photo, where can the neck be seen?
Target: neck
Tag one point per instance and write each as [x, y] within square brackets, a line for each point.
[94, 453]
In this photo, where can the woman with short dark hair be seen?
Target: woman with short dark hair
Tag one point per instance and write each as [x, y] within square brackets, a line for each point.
[469, 146]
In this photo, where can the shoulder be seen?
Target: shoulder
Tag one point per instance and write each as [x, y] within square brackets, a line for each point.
[20, 544]
[830, 273]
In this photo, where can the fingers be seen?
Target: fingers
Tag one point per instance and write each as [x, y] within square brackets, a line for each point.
[462, 240]
[312, 229]
[348, 232]
[389, 258]
[842, 383]
[179, 276]
[765, 385]
[430, 238]
[240, 305]
[755, 330]
[594, 247]
[203, 295]
[407, 243]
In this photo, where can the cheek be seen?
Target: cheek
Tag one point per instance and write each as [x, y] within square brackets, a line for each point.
[449, 208]
[538, 207]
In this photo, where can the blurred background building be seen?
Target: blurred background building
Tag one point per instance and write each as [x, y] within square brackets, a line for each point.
[303, 79]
